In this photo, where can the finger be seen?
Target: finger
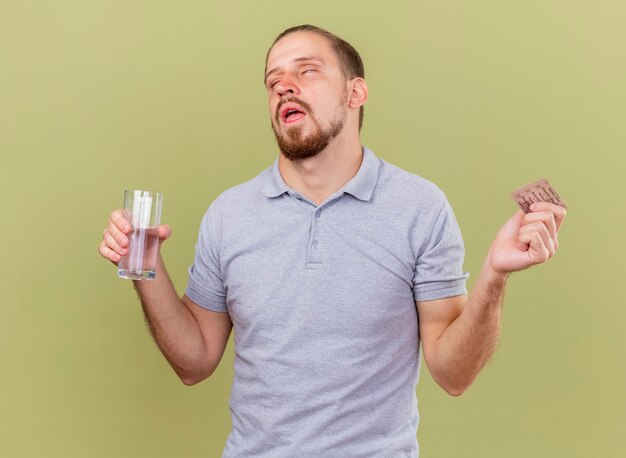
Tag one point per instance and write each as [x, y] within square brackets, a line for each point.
[547, 218]
[558, 211]
[164, 232]
[121, 221]
[537, 251]
[113, 245]
[540, 228]
[118, 235]
[108, 253]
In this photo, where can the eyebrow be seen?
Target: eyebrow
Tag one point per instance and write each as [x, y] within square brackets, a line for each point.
[297, 59]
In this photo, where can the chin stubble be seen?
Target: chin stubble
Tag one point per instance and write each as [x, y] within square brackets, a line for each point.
[294, 147]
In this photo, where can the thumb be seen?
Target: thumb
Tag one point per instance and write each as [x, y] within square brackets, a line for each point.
[511, 228]
[164, 232]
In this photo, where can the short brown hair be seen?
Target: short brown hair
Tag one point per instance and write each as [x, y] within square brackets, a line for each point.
[349, 58]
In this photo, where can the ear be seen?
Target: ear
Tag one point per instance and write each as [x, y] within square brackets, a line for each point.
[358, 93]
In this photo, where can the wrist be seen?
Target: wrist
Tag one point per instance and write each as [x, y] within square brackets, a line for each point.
[488, 291]
[490, 272]
[491, 275]
[491, 283]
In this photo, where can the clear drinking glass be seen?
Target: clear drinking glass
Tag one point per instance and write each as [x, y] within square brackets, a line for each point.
[143, 210]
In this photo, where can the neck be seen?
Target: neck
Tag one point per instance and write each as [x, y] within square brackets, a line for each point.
[319, 176]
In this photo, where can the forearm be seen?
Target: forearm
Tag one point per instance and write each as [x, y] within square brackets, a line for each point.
[174, 328]
[470, 341]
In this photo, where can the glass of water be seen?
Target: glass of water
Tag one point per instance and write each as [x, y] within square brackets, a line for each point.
[143, 211]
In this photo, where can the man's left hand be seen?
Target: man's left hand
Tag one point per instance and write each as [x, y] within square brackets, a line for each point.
[527, 239]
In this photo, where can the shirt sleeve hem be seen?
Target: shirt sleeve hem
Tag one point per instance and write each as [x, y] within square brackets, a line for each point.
[204, 299]
[439, 291]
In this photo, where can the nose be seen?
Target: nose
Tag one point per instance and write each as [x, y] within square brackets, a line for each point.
[287, 85]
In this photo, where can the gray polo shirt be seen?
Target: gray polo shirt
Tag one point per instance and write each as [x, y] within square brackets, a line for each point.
[322, 300]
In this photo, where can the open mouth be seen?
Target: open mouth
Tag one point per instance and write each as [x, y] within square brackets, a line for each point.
[291, 113]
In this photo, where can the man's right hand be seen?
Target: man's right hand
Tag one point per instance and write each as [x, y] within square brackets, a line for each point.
[178, 326]
[115, 241]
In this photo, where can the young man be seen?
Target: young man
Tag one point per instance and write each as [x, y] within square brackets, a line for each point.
[333, 266]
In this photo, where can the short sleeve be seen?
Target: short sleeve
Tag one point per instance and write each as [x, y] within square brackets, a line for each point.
[205, 286]
[439, 266]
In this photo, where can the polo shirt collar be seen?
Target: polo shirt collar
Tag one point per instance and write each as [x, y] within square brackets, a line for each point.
[360, 186]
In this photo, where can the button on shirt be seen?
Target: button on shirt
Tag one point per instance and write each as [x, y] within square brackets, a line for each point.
[322, 301]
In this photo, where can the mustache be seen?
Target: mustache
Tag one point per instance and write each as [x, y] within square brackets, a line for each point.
[291, 99]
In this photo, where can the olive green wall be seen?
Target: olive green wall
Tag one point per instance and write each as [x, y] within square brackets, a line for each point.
[479, 97]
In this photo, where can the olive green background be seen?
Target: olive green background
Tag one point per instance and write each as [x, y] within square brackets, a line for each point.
[479, 97]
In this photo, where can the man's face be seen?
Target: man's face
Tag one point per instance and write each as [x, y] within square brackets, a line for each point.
[308, 94]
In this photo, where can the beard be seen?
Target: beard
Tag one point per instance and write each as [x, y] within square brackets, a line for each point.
[295, 146]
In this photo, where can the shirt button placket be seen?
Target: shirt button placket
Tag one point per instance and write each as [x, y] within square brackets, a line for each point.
[313, 249]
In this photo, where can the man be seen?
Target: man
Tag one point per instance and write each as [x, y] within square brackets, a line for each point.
[332, 265]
